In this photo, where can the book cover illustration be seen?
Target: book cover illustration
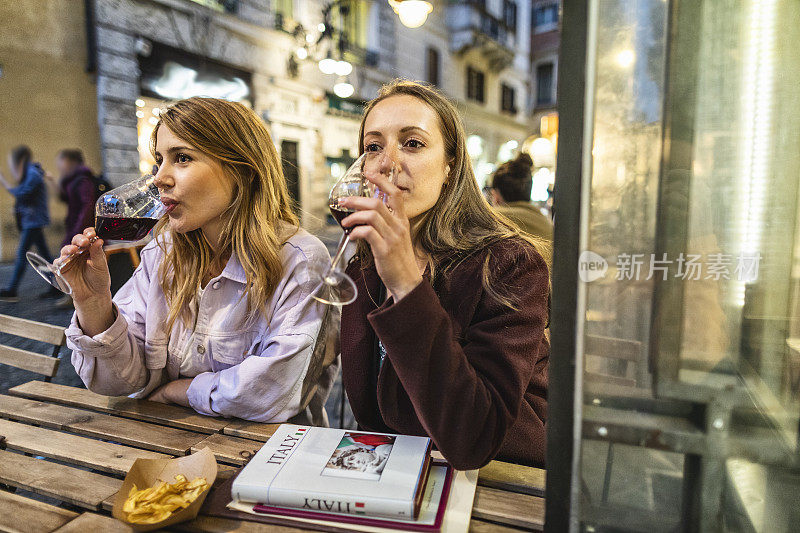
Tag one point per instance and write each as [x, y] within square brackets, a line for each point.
[360, 456]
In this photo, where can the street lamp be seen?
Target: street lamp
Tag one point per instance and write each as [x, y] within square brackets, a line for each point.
[343, 89]
[412, 13]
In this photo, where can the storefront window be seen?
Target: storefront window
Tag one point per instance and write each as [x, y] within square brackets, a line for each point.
[687, 349]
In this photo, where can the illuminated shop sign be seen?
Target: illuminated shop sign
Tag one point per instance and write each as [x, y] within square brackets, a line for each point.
[172, 74]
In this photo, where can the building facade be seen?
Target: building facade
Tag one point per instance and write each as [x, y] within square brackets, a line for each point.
[478, 53]
[142, 54]
[46, 98]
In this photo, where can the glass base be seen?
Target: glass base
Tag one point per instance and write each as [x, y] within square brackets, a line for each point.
[49, 272]
[336, 288]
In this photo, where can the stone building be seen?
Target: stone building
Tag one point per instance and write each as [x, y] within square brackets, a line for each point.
[129, 57]
[46, 98]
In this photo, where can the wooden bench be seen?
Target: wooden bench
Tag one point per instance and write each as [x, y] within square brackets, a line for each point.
[46, 365]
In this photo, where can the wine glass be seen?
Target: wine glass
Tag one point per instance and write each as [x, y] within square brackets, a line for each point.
[335, 286]
[124, 214]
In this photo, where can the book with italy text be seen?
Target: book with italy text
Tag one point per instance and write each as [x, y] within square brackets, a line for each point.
[338, 471]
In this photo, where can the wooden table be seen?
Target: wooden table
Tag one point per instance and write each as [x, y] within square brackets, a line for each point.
[73, 428]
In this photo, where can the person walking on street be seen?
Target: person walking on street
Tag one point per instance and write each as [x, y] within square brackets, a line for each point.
[76, 187]
[31, 212]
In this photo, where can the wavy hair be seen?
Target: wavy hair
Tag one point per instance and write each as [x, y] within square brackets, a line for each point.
[461, 222]
[233, 135]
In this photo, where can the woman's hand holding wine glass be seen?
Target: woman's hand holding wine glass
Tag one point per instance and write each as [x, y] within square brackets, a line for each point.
[90, 280]
[87, 274]
[384, 225]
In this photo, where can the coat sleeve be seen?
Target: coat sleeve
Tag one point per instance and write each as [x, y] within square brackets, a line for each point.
[113, 361]
[467, 392]
[33, 180]
[267, 385]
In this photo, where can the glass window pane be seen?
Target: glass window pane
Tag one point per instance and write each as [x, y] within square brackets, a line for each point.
[689, 343]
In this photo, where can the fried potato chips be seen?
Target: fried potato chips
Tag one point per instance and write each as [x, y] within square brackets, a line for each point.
[154, 504]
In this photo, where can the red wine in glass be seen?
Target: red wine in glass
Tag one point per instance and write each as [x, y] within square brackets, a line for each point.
[340, 213]
[123, 228]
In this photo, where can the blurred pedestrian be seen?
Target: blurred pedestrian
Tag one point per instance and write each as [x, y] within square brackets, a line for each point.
[511, 192]
[76, 187]
[31, 211]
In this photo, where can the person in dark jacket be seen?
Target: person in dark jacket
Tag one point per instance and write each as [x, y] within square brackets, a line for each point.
[511, 191]
[30, 209]
[447, 335]
[77, 188]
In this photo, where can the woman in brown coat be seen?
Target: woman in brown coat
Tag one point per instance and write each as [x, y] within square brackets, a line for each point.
[446, 338]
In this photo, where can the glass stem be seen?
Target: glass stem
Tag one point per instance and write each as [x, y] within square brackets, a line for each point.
[67, 260]
[339, 253]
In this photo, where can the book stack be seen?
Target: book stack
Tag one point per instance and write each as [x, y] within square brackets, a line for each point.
[345, 477]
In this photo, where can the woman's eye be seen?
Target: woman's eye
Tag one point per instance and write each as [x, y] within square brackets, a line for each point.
[182, 158]
[372, 147]
[413, 143]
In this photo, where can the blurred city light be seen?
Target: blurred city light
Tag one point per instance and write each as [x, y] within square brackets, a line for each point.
[474, 146]
[506, 151]
[412, 13]
[328, 65]
[625, 58]
[343, 90]
[343, 68]
[180, 82]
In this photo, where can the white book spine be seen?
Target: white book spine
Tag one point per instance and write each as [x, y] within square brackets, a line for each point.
[253, 486]
[336, 503]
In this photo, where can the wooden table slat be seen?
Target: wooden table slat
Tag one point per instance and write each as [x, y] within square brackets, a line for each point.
[73, 449]
[213, 524]
[250, 430]
[169, 415]
[71, 485]
[479, 526]
[509, 508]
[513, 478]
[30, 516]
[123, 430]
[230, 450]
[91, 522]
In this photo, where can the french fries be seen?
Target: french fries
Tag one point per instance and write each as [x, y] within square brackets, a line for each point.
[154, 504]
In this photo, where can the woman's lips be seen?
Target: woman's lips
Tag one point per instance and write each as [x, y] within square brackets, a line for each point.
[169, 205]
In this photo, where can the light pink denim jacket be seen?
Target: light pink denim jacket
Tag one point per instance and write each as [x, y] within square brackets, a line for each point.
[271, 369]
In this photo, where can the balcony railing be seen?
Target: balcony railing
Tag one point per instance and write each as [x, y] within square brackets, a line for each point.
[223, 6]
[471, 25]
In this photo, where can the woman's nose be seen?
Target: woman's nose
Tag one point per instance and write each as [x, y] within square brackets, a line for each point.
[161, 178]
[388, 160]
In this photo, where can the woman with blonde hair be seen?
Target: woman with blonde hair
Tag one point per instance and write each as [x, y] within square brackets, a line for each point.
[447, 335]
[218, 316]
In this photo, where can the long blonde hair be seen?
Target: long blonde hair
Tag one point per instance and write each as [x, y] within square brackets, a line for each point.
[233, 135]
[461, 222]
